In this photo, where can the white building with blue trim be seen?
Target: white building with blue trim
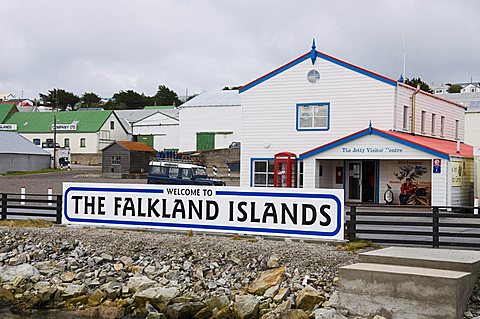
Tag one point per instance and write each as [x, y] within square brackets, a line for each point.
[343, 126]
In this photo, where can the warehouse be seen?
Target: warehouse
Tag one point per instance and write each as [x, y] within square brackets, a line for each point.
[17, 154]
[321, 122]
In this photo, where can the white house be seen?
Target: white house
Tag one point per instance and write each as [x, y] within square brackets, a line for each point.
[158, 130]
[84, 133]
[320, 122]
[211, 120]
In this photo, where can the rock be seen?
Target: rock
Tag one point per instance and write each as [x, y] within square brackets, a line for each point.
[271, 292]
[183, 310]
[18, 281]
[6, 297]
[323, 313]
[155, 315]
[332, 302]
[378, 317]
[106, 256]
[127, 261]
[140, 283]
[149, 270]
[273, 262]
[156, 295]
[76, 300]
[281, 295]
[308, 298]
[73, 290]
[102, 312]
[286, 314]
[8, 273]
[186, 265]
[118, 267]
[67, 276]
[96, 298]
[218, 302]
[265, 280]
[225, 313]
[204, 313]
[246, 307]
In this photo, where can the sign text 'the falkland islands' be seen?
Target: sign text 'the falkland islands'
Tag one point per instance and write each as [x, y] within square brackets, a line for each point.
[268, 211]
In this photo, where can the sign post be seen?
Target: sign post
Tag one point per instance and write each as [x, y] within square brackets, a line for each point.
[290, 212]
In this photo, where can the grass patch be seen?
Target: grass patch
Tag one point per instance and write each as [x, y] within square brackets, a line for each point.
[26, 223]
[357, 245]
[46, 170]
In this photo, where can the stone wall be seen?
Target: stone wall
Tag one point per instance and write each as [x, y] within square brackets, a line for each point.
[221, 158]
[87, 159]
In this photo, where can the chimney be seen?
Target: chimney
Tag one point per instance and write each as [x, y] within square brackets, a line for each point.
[458, 146]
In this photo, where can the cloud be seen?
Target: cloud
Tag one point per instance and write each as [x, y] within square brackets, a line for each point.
[107, 46]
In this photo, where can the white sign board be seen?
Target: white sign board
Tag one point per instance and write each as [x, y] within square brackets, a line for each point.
[8, 127]
[289, 212]
[65, 127]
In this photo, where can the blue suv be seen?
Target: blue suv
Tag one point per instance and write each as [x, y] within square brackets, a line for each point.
[172, 173]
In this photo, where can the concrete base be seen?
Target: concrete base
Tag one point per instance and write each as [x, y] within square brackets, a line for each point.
[414, 283]
[403, 292]
[449, 259]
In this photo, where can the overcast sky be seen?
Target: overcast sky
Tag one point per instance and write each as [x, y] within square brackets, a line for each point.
[104, 46]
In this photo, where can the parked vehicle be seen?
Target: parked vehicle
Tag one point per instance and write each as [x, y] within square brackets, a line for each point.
[173, 173]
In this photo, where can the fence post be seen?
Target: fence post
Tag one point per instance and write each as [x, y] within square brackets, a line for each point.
[59, 209]
[4, 206]
[352, 233]
[436, 222]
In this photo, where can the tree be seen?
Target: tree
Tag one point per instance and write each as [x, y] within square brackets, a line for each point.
[90, 99]
[423, 85]
[454, 88]
[129, 100]
[165, 96]
[59, 98]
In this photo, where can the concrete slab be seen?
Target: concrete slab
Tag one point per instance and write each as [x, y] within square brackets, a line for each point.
[449, 259]
[403, 291]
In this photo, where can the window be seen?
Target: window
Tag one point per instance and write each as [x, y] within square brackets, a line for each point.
[405, 117]
[313, 116]
[173, 172]
[116, 160]
[424, 115]
[82, 142]
[442, 126]
[66, 142]
[186, 173]
[434, 116]
[472, 90]
[112, 125]
[36, 141]
[456, 129]
[438, 91]
[263, 173]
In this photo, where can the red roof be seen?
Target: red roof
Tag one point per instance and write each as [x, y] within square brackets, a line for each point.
[136, 146]
[436, 144]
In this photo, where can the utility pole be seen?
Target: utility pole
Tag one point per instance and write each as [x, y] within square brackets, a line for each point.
[54, 141]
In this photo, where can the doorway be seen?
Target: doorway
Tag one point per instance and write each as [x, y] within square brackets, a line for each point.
[361, 181]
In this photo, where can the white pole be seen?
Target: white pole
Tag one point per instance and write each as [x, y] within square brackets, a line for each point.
[475, 205]
[22, 195]
[50, 196]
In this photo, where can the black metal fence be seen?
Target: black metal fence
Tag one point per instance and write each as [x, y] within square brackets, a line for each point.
[427, 226]
[31, 206]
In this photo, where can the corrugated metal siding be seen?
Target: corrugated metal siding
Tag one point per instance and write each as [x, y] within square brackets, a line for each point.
[209, 119]
[430, 105]
[269, 110]
[23, 162]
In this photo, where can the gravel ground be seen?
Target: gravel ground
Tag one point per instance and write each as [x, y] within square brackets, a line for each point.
[39, 183]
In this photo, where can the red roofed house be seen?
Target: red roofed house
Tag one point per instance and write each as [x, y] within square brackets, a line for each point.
[320, 122]
[122, 158]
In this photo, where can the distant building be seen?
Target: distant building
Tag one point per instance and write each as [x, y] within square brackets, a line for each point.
[125, 157]
[17, 154]
[158, 130]
[6, 96]
[211, 120]
[85, 133]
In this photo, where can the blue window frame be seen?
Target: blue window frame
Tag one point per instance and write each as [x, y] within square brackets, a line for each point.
[313, 116]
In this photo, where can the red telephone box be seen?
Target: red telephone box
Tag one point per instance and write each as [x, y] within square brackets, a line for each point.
[285, 170]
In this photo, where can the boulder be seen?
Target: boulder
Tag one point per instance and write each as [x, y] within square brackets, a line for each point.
[308, 298]
[140, 283]
[158, 296]
[183, 310]
[271, 292]
[246, 307]
[286, 314]
[73, 290]
[265, 280]
[6, 297]
[225, 313]
[218, 302]
[102, 312]
[27, 271]
[281, 295]
[68, 276]
[324, 313]
[96, 298]
[204, 313]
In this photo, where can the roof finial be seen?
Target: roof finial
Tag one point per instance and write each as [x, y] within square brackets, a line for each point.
[313, 52]
[370, 128]
[401, 80]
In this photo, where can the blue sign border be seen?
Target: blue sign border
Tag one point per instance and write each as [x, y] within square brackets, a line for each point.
[209, 227]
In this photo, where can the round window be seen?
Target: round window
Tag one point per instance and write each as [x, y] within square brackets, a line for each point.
[313, 76]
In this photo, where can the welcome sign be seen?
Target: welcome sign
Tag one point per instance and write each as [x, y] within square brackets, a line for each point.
[290, 212]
